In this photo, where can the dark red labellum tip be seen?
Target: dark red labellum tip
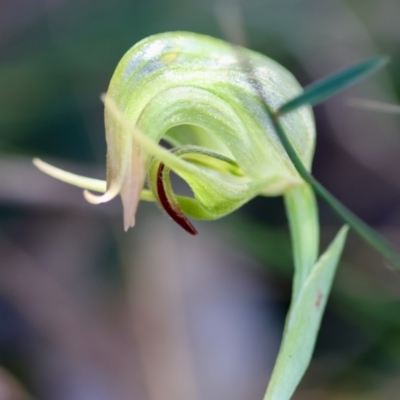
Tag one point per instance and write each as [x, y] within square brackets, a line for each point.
[172, 208]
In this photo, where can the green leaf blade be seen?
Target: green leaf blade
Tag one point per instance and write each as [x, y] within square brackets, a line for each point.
[333, 84]
[303, 322]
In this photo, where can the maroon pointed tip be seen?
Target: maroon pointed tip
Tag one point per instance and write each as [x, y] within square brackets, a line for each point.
[173, 210]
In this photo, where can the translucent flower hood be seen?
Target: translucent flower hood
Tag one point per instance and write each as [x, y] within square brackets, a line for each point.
[229, 151]
[187, 79]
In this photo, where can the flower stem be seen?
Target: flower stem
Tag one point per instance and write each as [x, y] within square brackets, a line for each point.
[302, 212]
[377, 241]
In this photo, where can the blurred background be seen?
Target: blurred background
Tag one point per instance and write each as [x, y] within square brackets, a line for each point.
[90, 312]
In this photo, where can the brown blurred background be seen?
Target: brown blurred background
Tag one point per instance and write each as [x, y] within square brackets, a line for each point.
[89, 312]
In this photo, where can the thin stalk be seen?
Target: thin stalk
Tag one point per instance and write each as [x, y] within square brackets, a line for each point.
[302, 212]
[342, 80]
[377, 241]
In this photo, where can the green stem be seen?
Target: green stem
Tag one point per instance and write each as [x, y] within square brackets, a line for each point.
[377, 241]
[372, 237]
[302, 212]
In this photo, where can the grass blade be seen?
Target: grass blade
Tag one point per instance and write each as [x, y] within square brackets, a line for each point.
[376, 240]
[328, 87]
[373, 105]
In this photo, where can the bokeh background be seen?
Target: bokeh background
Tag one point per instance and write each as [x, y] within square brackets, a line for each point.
[90, 312]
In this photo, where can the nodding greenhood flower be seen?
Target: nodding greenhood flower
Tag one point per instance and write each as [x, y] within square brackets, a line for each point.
[194, 93]
[239, 126]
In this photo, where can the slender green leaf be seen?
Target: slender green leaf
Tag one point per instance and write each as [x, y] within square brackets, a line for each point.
[303, 322]
[328, 87]
[373, 238]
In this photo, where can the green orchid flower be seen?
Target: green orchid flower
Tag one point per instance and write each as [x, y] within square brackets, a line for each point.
[171, 80]
[239, 125]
